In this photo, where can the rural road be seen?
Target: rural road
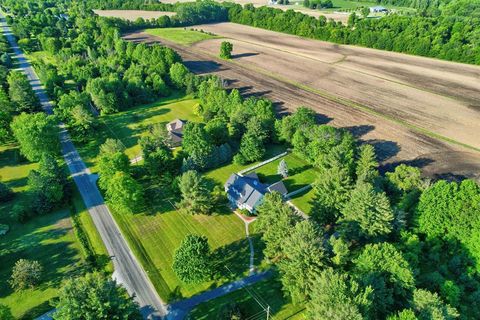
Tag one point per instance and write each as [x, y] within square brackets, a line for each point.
[128, 270]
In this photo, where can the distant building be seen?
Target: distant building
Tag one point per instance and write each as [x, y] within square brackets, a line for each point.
[247, 192]
[175, 132]
[378, 9]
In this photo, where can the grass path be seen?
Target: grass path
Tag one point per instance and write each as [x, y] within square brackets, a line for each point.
[181, 36]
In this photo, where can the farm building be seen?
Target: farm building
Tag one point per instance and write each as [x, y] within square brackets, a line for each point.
[247, 192]
[175, 132]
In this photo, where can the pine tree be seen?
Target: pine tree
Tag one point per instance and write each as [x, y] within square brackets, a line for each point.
[283, 169]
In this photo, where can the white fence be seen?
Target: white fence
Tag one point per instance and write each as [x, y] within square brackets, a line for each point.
[258, 165]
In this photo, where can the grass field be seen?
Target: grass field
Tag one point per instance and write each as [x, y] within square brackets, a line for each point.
[181, 36]
[128, 126]
[252, 303]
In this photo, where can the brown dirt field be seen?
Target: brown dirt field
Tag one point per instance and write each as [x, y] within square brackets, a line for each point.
[133, 15]
[394, 143]
[438, 96]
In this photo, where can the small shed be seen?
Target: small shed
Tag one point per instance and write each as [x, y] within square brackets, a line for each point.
[378, 9]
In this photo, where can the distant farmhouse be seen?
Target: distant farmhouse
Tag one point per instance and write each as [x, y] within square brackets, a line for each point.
[378, 9]
[247, 192]
[175, 132]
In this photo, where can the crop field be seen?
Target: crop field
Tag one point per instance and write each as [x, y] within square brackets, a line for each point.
[133, 15]
[404, 129]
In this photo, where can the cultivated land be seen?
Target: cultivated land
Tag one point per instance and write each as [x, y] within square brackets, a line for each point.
[133, 15]
[273, 65]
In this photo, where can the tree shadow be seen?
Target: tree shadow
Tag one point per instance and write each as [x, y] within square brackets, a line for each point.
[203, 67]
[231, 261]
[244, 55]
[384, 149]
[360, 130]
[417, 162]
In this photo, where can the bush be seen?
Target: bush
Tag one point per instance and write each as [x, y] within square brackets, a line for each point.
[6, 193]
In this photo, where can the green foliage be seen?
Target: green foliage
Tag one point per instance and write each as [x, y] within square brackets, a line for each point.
[226, 50]
[178, 75]
[6, 194]
[406, 314]
[340, 249]
[5, 313]
[192, 261]
[197, 144]
[196, 196]
[21, 93]
[82, 122]
[405, 178]
[303, 258]
[111, 146]
[275, 221]
[68, 102]
[124, 193]
[109, 164]
[429, 306]
[367, 165]
[37, 135]
[25, 274]
[302, 119]
[382, 267]
[332, 191]
[367, 215]
[282, 169]
[95, 296]
[48, 185]
[157, 156]
[338, 297]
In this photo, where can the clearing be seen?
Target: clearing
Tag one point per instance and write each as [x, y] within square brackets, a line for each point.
[181, 35]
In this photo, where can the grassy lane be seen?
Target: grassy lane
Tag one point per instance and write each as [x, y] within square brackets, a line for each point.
[181, 36]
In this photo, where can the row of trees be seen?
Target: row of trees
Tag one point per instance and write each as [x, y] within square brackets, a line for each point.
[446, 36]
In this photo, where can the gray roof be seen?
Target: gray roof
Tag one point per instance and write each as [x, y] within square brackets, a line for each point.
[278, 187]
[245, 189]
[176, 126]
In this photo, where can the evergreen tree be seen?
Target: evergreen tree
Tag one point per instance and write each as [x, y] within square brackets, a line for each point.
[196, 196]
[25, 274]
[192, 260]
[282, 169]
[367, 165]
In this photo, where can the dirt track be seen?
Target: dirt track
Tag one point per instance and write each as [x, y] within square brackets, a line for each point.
[394, 143]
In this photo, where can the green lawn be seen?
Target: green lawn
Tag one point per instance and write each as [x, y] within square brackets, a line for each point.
[303, 200]
[180, 35]
[252, 303]
[338, 5]
[154, 239]
[300, 173]
[128, 126]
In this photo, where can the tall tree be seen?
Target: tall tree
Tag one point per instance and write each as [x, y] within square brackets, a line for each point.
[303, 259]
[429, 306]
[275, 221]
[95, 296]
[192, 260]
[367, 215]
[5, 313]
[109, 164]
[405, 178]
[196, 196]
[21, 93]
[367, 165]
[336, 296]
[384, 268]
[37, 134]
[226, 50]
[124, 193]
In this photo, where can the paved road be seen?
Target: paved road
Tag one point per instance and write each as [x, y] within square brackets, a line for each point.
[128, 271]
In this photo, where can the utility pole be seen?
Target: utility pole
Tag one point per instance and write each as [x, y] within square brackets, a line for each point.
[268, 312]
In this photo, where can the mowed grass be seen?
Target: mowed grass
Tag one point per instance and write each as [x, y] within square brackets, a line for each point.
[346, 4]
[128, 126]
[48, 239]
[300, 172]
[154, 239]
[181, 36]
[253, 303]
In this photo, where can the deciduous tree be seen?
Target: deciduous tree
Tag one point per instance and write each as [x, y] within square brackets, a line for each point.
[196, 196]
[124, 193]
[25, 274]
